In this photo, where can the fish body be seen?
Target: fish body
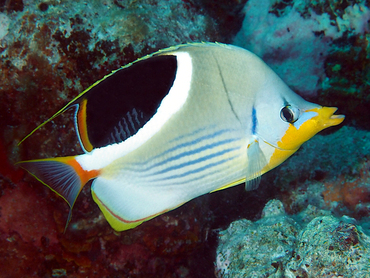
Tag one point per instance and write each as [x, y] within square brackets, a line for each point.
[177, 124]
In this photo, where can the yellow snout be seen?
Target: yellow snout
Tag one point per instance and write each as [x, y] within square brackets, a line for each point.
[295, 137]
[326, 117]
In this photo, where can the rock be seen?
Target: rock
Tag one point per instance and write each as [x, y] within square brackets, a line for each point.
[278, 246]
[330, 247]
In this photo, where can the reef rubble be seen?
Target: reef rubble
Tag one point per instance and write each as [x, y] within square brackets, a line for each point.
[310, 244]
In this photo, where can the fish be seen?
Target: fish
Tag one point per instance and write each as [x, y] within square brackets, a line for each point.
[177, 124]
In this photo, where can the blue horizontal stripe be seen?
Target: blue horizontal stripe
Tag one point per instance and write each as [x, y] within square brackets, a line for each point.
[140, 165]
[195, 141]
[195, 161]
[191, 152]
[197, 178]
[200, 169]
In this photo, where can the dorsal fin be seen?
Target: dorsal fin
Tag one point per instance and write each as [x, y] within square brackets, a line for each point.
[140, 86]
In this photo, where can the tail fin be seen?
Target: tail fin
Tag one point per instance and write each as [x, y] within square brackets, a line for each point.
[63, 175]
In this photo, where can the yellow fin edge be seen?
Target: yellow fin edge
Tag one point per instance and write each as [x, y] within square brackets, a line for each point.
[119, 225]
[229, 185]
[116, 223]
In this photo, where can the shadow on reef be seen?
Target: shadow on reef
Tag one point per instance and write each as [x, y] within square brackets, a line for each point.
[11, 6]
[228, 14]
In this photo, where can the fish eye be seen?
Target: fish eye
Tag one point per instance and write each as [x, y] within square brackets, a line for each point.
[289, 114]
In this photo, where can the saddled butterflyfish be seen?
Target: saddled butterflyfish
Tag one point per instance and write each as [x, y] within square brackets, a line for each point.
[182, 122]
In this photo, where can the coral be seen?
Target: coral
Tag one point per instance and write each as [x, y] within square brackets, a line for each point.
[247, 249]
[286, 42]
[4, 25]
[227, 14]
[277, 246]
[350, 191]
[29, 225]
[330, 247]
[11, 6]
[347, 77]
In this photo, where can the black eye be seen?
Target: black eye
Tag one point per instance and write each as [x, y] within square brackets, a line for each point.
[289, 114]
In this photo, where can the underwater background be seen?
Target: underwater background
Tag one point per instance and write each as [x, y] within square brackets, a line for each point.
[308, 218]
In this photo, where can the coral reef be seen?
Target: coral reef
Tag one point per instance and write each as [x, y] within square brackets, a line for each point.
[319, 245]
[52, 50]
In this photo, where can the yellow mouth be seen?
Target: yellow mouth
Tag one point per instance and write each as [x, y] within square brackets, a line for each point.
[326, 117]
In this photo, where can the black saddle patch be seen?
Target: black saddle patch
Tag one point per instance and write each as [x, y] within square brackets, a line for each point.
[118, 106]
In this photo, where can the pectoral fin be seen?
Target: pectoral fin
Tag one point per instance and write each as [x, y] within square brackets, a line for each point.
[256, 162]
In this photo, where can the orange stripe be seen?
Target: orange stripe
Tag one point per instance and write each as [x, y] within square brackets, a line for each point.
[84, 175]
[82, 126]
